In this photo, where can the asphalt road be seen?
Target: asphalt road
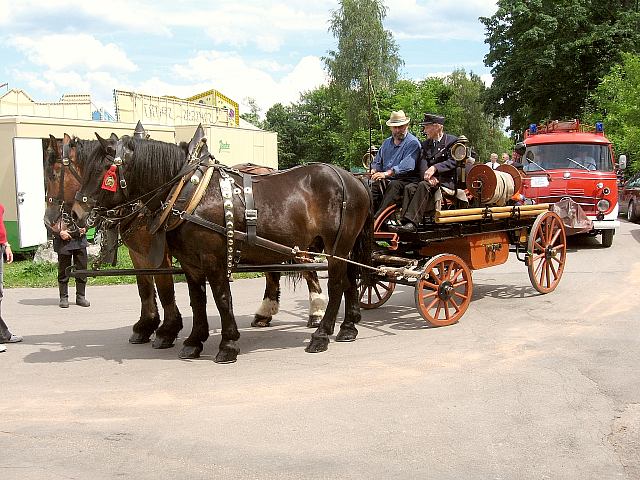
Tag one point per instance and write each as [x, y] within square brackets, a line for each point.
[524, 387]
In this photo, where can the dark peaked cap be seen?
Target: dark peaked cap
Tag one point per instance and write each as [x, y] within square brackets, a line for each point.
[432, 118]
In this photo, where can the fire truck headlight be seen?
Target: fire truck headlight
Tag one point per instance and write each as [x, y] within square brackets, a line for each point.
[606, 190]
[599, 185]
[603, 205]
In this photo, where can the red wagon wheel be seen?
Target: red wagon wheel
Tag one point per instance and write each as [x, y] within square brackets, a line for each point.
[444, 291]
[374, 296]
[547, 252]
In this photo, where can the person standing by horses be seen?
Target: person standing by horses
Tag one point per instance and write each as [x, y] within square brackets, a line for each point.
[437, 168]
[395, 161]
[71, 247]
[5, 251]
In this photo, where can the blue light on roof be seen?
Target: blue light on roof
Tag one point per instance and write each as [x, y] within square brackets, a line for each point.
[599, 127]
[533, 128]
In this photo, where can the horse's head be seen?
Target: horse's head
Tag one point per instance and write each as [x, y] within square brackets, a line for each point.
[127, 172]
[62, 181]
[103, 184]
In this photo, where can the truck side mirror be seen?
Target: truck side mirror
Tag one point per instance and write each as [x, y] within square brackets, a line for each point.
[622, 162]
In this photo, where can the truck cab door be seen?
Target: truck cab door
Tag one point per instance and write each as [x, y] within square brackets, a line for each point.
[27, 157]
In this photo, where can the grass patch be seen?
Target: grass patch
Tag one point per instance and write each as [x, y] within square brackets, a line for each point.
[25, 273]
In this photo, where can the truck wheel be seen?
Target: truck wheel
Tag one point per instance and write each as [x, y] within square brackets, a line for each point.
[631, 212]
[607, 237]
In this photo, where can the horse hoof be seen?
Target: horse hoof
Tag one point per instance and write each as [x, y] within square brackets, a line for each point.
[161, 343]
[317, 345]
[346, 337]
[138, 338]
[226, 356]
[190, 352]
[314, 321]
[260, 321]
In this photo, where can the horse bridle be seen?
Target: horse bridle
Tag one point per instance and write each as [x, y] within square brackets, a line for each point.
[114, 173]
[122, 157]
[66, 163]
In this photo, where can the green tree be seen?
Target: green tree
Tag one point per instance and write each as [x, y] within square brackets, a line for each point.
[366, 52]
[466, 115]
[321, 138]
[282, 120]
[547, 56]
[616, 102]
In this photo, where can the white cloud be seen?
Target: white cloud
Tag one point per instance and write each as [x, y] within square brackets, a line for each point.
[232, 76]
[83, 50]
[438, 19]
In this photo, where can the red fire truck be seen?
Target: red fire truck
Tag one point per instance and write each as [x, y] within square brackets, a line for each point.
[568, 159]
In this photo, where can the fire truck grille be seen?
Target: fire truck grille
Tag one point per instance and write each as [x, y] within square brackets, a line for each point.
[588, 204]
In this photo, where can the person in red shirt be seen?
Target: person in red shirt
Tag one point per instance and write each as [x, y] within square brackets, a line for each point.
[5, 251]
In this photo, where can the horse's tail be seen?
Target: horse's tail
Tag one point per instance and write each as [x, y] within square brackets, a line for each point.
[363, 248]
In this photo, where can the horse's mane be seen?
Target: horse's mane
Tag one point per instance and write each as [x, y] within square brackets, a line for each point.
[154, 162]
[87, 151]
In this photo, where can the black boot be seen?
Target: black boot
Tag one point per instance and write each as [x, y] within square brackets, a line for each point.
[63, 288]
[80, 299]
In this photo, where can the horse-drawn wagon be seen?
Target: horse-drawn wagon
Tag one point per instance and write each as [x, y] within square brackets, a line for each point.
[438, 259]
[208, 216]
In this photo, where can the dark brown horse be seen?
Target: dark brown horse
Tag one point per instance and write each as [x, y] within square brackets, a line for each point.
[63, 172]
[271, 299]
[63, 168]
[316, 206]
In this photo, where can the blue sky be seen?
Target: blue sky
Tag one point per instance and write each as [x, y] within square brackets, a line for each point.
[267, 50]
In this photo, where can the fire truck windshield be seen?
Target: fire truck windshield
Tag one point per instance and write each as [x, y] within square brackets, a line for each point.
[552, 156]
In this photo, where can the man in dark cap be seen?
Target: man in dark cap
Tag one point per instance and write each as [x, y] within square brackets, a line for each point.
[395, 161]
[436, 168]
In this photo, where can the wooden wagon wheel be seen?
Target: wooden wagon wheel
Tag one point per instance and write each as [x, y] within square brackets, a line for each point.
[444, 291]
[374, 296]
[547, 252]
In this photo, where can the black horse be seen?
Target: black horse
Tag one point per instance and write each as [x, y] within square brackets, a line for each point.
[64, 166]
[317, 206]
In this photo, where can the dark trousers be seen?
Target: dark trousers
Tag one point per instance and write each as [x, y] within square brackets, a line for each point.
[418, 201]
[78, 258]
[392, 194]
[4, 329]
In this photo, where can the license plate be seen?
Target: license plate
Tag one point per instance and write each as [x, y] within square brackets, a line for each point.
[537, 182]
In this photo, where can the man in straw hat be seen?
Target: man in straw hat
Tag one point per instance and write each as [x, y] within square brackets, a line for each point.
[437, 168]
[395, 161]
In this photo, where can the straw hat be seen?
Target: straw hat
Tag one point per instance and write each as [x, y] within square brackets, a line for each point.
[397, 119]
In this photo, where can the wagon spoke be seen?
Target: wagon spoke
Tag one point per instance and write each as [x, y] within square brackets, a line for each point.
[375, 288]
[553, 270]
[453, 303]
[432, 293]
[460, 283]
[433, 286]
[437, 315]
[461, 296]
[539, 265]
[457, 274]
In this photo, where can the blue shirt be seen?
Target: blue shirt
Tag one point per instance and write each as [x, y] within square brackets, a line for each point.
[399, 158]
